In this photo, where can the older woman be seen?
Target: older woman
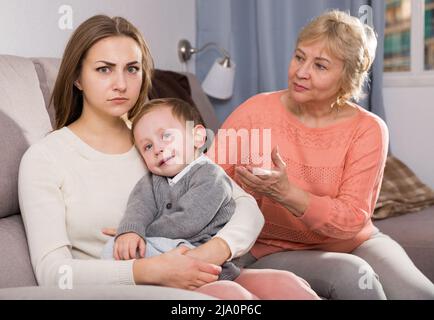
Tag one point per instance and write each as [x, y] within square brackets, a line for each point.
[329, 156]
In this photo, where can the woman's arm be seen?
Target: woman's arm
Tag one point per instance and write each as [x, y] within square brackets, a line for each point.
[172, 269]
[178, 268]
[243, 228]
[175, 269]
[43, 212]
[275, 185]
[339, 217]
[59, 268]
[215, 251]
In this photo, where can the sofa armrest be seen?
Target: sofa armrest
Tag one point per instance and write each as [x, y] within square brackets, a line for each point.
[115, 292]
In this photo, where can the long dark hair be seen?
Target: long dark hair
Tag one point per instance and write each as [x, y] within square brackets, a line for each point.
[66, 98]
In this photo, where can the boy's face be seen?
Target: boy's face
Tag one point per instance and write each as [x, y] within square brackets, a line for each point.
[164, 143]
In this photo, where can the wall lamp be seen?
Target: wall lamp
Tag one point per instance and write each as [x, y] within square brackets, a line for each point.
[219, 82]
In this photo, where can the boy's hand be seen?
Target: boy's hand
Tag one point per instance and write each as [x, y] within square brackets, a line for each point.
[126, 246]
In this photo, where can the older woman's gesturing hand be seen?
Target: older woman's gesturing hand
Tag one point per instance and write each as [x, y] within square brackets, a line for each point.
[274, 184]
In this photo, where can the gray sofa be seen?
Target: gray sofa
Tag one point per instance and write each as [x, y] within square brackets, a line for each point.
[25, 88]
[25, 117]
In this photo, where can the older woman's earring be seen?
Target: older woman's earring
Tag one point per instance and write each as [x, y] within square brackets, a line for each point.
[334, 105]
[340, 101]
[337, 104]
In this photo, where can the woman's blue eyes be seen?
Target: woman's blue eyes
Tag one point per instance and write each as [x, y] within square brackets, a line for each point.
[103, 69]
[106, 69]
[133, 69]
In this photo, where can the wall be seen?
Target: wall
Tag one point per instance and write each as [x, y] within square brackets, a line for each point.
[31, 28]
[410, 118]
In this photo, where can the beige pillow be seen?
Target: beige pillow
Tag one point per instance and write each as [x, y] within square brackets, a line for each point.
[401, 192]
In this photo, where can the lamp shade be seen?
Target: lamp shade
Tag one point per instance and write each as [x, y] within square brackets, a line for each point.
[219, 82]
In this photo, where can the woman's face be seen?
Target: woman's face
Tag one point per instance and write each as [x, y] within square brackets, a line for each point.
[314, 75]
[111, 76]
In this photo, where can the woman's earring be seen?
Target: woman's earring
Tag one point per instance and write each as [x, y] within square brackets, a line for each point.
[77, 85]
[340, 101]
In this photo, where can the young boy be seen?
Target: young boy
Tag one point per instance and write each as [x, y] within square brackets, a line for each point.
[185, 199]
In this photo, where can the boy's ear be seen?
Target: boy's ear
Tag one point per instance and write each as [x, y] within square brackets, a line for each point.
[199, 136]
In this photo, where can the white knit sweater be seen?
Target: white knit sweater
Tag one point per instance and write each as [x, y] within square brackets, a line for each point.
[69, 191]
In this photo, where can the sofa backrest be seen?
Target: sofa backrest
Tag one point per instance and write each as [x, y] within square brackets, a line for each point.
[23, 121]
[26, 116]
[47, 69]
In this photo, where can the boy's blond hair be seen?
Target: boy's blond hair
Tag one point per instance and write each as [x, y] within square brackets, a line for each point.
[181, 110]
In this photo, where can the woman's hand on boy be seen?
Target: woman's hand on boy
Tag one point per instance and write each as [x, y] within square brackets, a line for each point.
[175, 269]
[127, 245]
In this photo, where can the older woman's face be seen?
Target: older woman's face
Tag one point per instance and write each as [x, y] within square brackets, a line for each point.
[314, 75]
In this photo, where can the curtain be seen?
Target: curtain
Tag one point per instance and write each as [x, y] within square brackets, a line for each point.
[260, 37]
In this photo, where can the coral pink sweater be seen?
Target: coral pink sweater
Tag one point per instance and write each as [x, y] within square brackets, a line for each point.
[341, 166]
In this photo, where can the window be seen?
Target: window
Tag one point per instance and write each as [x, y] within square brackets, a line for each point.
[429, 35]
[397, 35]
[409, 43]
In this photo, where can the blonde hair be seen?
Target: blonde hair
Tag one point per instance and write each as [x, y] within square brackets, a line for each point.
[67, 99]
[348, 39]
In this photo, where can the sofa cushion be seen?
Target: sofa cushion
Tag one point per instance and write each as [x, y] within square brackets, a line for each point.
[106, 292]
[47, 70]
[414, 232]
[23, 120]
[15, 266]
